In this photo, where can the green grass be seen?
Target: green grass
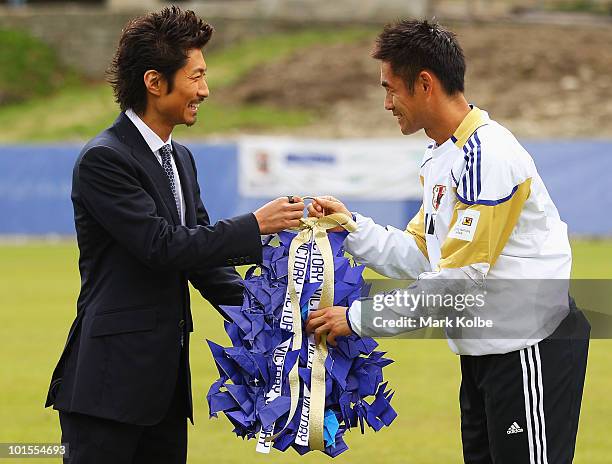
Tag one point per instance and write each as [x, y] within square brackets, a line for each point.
[592, 259]
[81, 111]
[38, 288]
[580, 6]
[30, 68]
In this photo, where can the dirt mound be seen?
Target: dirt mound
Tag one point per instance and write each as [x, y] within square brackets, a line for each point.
[313, 78]
[538, 80]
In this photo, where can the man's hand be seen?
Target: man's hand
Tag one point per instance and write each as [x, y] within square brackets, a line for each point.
[279, 214]
[330, 320]
[322, 206]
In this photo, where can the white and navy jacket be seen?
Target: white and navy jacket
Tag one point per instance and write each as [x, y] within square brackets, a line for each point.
[486, 216]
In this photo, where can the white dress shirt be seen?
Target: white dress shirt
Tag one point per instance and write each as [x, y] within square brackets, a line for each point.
[155, 143]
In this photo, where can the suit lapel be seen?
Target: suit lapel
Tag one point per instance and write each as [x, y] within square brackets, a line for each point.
[130, 135]
[186, 174]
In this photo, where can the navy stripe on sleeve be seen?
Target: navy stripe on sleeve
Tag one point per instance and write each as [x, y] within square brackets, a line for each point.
[488, 202]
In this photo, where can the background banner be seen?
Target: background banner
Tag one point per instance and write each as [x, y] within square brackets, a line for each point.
[369, 169]
[377, 178]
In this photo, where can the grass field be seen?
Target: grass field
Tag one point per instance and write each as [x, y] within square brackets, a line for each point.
[38, 288]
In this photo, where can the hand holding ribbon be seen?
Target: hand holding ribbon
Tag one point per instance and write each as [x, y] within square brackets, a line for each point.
[329, 321]
[327, 205]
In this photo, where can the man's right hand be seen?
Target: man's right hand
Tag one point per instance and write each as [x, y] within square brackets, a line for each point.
[279, 215]
[322, 206]
[325, 205]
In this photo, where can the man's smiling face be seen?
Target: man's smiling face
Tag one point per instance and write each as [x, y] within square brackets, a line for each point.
[404, 105]
[181, 105]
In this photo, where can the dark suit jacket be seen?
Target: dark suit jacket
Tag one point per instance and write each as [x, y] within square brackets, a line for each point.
[123, 350]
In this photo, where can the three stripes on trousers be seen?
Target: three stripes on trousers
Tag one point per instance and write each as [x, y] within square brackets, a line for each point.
[533, 390]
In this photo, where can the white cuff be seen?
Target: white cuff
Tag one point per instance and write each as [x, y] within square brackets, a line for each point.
[354, 316]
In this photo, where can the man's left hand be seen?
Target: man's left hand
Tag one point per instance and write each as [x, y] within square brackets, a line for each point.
[331, 320]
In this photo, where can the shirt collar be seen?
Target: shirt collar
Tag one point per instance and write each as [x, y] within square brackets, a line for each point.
[152, 139]
[439, 150]
[473, 120]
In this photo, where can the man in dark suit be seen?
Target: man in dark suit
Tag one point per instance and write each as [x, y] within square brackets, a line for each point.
[122, 384]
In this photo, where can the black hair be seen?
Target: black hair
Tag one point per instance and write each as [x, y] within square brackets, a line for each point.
[158, 41]
[411, 46]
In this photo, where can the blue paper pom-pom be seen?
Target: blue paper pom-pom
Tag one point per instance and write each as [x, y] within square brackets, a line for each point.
[355, 392]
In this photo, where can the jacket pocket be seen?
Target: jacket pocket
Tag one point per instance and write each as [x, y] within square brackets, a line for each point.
[139, 320]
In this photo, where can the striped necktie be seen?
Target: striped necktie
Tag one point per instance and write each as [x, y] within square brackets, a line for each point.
[166, 155]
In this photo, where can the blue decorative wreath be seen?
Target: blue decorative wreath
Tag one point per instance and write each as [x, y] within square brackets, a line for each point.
[355, 393]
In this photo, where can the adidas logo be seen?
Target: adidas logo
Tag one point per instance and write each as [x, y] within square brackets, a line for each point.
[514, 428]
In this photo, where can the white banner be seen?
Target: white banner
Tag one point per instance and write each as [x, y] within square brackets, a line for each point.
[364, 169]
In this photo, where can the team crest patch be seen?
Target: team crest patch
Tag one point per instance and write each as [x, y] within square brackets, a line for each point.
[467, 221]
[438, 193]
